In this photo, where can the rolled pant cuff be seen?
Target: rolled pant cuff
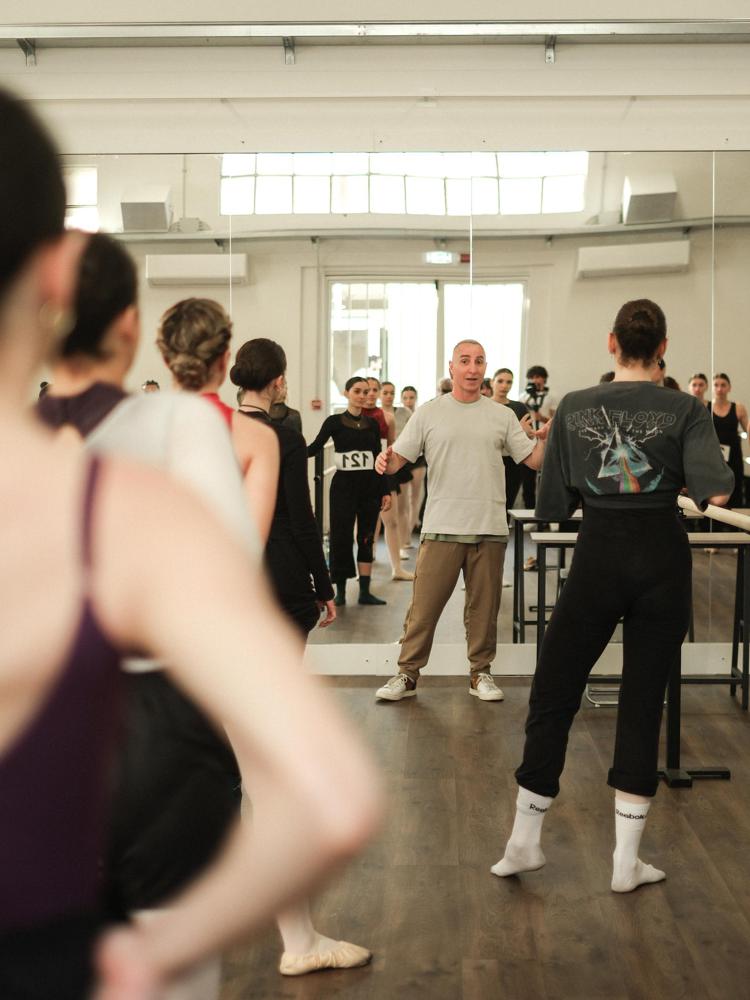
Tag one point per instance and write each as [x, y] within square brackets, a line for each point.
[551, 789]
[634, 784]
[413, 675]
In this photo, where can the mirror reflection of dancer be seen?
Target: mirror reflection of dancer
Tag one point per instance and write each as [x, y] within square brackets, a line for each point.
[463, 435]
[728, 417]
[502, 383]
[698, 387]
[358, 494]
[388, 518]
[626, 449]
[415, 488]
[400, 498]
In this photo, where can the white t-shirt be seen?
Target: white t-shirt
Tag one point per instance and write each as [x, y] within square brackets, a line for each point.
[463, 444]
[185, 436]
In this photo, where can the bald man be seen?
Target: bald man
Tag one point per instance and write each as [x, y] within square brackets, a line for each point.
[463, 436]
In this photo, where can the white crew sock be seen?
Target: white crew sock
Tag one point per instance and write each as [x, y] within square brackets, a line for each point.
[522, 852]
[628, 871]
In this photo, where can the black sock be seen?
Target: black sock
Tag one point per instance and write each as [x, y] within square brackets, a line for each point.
[365, 597]
[340, 598]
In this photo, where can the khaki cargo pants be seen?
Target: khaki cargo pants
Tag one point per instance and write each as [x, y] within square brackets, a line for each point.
[438, 567]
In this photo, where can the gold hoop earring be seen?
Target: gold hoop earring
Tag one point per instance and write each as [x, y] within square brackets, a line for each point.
[56, 320]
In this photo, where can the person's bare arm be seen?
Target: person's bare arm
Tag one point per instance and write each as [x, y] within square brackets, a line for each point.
[389, 462]
[390, 422]
[742, 416]
[536, 459]
[257, 449]
[199, 607]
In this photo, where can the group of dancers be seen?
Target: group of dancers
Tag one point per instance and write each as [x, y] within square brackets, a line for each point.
[150, 516]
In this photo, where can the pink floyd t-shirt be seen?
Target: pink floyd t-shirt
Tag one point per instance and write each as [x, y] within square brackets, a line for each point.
[627, 445]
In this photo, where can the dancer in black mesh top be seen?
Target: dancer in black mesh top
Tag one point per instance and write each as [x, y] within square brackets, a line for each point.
[625, 449]
[358, 493]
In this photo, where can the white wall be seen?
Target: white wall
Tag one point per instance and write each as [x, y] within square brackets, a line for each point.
[567, 321]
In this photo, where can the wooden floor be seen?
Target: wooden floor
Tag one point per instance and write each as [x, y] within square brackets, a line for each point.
[713, 593]
[443, 928]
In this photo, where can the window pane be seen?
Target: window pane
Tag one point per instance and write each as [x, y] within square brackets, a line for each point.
[425, 196]
[273, 196]
[521, 197]
[483, 165]
[565, 164]
[81, 185]
[563, 194]
[350, 194]
[387, 163]
[275, 163]
[350, 163]
[483, 196]
[387, 195]
[237, 164]
[316, 164]
[457, 164]
[85, 217]
[237, 195]
[521, 164]
[458, 196]
[312, 195]
[424, 164]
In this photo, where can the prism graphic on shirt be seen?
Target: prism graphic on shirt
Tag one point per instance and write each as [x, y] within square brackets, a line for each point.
[618, 458]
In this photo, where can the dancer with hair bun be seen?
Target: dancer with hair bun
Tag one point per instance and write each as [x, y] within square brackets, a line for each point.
[358, 493]
[296, 563]
[194, 337]
[626, 449]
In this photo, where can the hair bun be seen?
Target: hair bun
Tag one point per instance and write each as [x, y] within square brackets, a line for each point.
[190, 372]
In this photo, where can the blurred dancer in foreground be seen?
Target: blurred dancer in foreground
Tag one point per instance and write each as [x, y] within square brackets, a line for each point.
[59, 665]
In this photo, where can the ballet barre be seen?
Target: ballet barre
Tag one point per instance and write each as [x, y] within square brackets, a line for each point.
[674, 775]
[519, 518]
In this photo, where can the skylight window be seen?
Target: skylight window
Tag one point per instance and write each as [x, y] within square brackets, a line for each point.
[81, 198]
[403, 183]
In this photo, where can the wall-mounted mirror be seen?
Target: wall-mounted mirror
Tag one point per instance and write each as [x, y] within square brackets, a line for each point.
[380, 262]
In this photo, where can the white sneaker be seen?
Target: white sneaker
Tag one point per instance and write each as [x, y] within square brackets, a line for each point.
[396, 688]
[405, 553]
[486, 689]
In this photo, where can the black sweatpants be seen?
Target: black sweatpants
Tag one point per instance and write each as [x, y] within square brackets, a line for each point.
[629, 565]
[355, 496]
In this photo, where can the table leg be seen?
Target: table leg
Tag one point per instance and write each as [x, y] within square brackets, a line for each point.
[521, 587]
[541, 559]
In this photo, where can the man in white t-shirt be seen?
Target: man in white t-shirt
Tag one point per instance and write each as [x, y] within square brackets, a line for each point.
[463, 436]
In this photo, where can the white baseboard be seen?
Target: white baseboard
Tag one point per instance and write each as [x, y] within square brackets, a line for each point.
[513, 660]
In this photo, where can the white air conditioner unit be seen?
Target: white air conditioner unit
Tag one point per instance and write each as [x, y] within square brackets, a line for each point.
[648, 198]
[197, 269]
[633, 258]
[146, 209]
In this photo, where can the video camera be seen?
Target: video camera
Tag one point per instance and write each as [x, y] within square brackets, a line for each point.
[535, 397]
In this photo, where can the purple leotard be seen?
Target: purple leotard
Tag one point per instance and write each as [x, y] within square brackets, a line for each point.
[54, 776]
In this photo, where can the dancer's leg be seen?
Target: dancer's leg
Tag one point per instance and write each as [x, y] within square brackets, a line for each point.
[416, 490]
[306, 950]
[392, 528]
[483, 573]
[523, 852]
[653, 631]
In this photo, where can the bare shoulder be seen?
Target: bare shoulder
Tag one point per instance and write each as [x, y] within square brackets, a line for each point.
[252, 437]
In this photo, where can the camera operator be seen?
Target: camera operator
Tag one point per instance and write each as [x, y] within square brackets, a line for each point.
[541, 405]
